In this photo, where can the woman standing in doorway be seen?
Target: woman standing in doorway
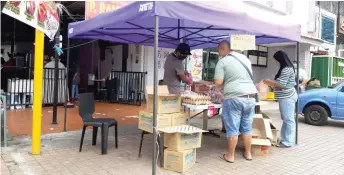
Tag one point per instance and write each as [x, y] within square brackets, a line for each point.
[286, 95]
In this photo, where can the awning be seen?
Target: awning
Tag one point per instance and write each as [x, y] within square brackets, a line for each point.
[200, 24]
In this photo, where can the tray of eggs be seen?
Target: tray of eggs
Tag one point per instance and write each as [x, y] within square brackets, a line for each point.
[196, 99]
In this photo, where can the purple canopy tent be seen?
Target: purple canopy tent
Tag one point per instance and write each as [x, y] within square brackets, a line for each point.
[200, 24]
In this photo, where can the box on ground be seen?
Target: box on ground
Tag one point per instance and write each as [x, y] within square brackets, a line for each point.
[163, 120]
[274, 131]
[179, 161]
[183, 137]
[182, 141]
[260, 150]
[261, 128]
[167, 103]
[261, 136]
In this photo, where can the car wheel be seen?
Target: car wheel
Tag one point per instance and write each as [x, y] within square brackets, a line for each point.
[316, 115]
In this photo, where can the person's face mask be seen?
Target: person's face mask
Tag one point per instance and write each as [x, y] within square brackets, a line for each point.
[181, 56]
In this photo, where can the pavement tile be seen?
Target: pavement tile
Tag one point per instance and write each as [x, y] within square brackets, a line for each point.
[316, 154]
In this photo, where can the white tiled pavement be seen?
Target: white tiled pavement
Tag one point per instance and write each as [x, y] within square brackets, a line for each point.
[321, 151]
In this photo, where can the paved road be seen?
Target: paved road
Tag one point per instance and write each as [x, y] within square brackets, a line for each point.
[321, 151]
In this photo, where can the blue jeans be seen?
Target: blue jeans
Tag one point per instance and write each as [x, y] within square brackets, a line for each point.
[75, 90]
[287, 109]
[237, 115]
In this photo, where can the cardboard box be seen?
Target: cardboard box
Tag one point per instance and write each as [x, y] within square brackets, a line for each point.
[182, 141]
[163, 120]
[167, 103]
[261, 136]
[183, 137]
[179, 161]
[260, 150]
[146, 121]
[178, 119]
[261, 128]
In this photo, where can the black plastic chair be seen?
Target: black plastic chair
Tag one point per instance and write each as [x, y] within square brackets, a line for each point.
[86, 110]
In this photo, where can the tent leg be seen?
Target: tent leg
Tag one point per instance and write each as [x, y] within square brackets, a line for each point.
[155, 100]
[298, 92]
[66, 89]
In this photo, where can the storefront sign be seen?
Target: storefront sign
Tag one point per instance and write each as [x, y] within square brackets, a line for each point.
[94, 8]
[243, 42]
[41, 15]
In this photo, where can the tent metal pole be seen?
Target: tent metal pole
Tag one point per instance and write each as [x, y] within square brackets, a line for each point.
[298, 91]
[66, 88]
[155, 100]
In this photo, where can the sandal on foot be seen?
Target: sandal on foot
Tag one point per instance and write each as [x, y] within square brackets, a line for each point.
[223, 157]
[246, 158]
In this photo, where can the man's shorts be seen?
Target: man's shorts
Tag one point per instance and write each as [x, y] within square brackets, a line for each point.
[237, 115]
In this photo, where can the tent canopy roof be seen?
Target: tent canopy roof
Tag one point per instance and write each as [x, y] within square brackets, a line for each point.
[200, 24]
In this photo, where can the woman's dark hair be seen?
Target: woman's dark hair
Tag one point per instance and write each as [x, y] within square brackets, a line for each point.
[284, 61]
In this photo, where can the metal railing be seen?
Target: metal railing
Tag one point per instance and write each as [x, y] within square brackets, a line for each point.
[19, 86]
[3, 123]
[128, 87]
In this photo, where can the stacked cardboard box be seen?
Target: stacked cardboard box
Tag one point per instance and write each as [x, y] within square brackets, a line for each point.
[168, 109]
[181, 143]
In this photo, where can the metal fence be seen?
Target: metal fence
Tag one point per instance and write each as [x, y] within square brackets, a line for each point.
[3, 123]
[126, 87]
[19, 86]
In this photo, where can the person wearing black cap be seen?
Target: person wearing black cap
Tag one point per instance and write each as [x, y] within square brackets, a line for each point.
[174, 68]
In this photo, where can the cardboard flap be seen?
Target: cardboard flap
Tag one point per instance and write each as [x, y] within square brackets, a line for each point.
[272, 126]
[261, 128]
[161, 90]
[261, 142]
[258, 116]
[187, 129]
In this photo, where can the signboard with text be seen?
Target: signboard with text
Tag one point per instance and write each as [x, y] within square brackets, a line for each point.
[94, 8]
[243, 42]
[41, 15]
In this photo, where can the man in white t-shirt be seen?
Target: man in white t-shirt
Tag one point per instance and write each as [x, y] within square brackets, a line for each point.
[303, 76]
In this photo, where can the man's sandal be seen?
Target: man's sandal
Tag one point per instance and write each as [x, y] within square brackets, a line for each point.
[246, 158]
[223, 157]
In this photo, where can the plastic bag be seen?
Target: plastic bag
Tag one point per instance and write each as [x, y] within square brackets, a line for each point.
[215, 95]
[189, 78]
